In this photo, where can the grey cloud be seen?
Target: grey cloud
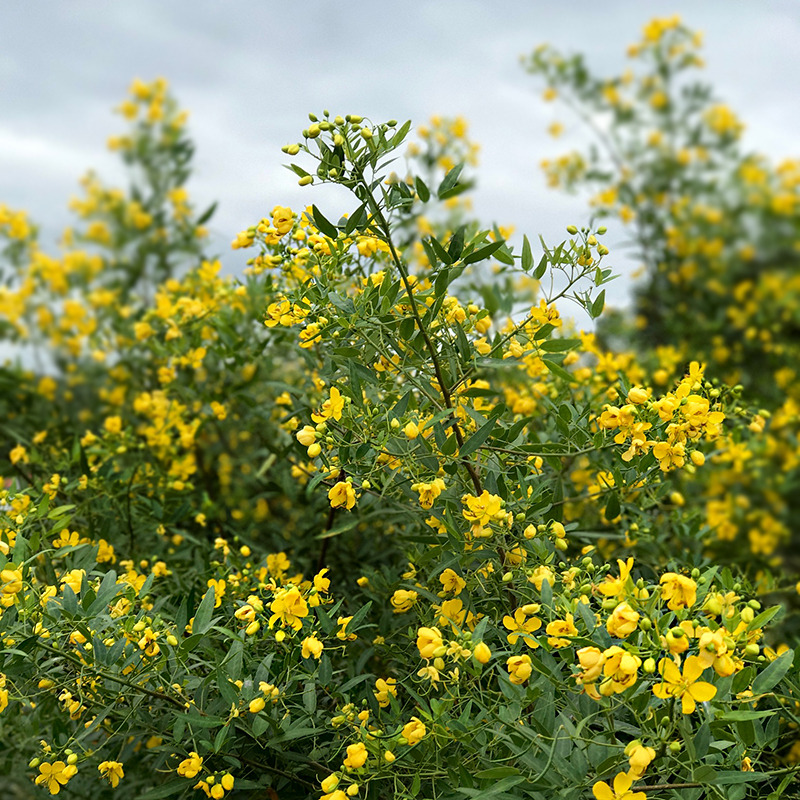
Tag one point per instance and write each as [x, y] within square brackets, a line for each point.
[250, 71]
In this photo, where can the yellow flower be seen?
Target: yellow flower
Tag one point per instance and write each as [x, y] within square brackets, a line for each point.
[331, 409]
[669, 455]
[55, 775]
[428, 492]
[520, 625]
[615, 587]
[411, 430]
[191, 766]
[451, 581]
[623, 621]
[591, 660]
[481, 510]
[307, 435]
[312, 647]
[559, 628]
[402, 600]
[621, 791]
[385, 687]
[18, 455]
[112, 771]
[686, 686]
[74, 579]
[619, 670]
[678, 590]
[356, 756]
[256, 705]
[540, 575]
[429, 640]
[519, 668]
[289, 607]
[482, 653]
[414, 732]
[342, 494]
[10, 585]
[113, 424]
[639, 757]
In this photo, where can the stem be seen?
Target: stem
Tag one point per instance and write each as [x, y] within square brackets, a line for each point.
[437, 368]
[115, 678]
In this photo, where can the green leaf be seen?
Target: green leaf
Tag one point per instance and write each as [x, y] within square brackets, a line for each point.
[541, 268]
[324, 225]
[401, 134]
[106, 592]
[558, 345]
[173, 787]
[774, 673]
[744, 715]
[202, 619]
[497, 772]
[356, 219]
[558, 370]
[456, 246]
[598, 305]
[441, 253]
[359, 617]
[482, 253]
[422, 190]
[527, 254]
[207, 214]
[504, 256]
[612, 506]
[260, 724]
[494, 791]
[477, 438]
[431, 253]
[450, 180]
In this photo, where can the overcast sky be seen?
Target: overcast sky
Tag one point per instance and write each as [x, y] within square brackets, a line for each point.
[251, 71]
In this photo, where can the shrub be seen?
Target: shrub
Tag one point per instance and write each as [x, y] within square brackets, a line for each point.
[337, 529]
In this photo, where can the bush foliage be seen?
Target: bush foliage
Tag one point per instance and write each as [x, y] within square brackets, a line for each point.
[374, 520]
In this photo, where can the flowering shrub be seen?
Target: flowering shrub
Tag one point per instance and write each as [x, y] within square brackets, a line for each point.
[716, 229]
[336, 529]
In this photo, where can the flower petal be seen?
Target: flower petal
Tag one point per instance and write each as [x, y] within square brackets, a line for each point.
[693, 668]
[602, 791]
[702, 691]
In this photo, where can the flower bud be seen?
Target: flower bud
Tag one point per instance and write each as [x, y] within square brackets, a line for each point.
[482, 653]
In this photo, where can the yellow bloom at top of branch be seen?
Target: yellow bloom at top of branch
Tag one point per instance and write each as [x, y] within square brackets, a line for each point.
[191, 766]
[428, 492]
[55, 775]
[452, 581]
[429, 640]
[621, 791]
[414, 732]
[615, 587]
[481, 510]
[522, 626]
[560, 628]
[112, 771]
[686, 687]
[342, 494]
[331, 409]
[519, 669]
[289, 607]
[678, 590]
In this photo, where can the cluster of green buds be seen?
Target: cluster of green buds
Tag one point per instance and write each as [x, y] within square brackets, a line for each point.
[344, 146]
